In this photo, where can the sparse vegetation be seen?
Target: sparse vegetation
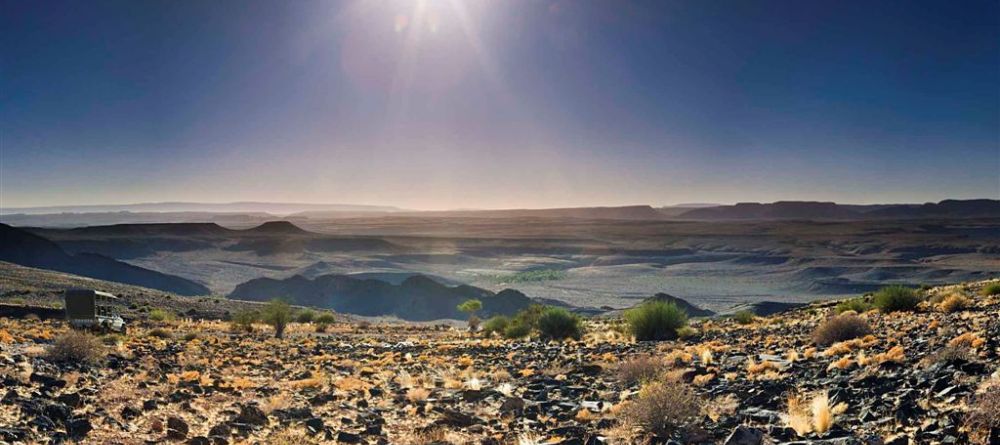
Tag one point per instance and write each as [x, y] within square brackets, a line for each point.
[277, 313]
[656, 320]
[323, 321]
[744, 317]
[954, 303]
[76, 347]
[857, 305]
[895, 298]
[496, 324]
[557, 323]
[816, 415]
[531, 276]
[305, 316]
[663, 409]
[161, 315]
[991, 289]
[243, 321]
[517, 329]
[984, 413]
[641, 368]
[840, 328]
[160, 333]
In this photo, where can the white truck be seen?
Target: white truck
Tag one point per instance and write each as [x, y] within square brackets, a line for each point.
[91, 309]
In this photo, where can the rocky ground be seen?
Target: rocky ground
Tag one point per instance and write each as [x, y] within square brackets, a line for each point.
[921, 377]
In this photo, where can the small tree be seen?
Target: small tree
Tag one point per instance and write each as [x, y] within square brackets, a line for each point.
[277, 314]
[471, 307]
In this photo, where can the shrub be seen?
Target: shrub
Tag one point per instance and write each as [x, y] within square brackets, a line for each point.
[243, 321]
[305, 316]
[641, 368]
[323, 321]
[557, 323]
[954, 303]
[896, 298]
[840, 328]
[991, 289]
[664, 409]
[656, 320]
[160, 333]
[277, 313]
[858, 305]
[744, 317]
[517, 329]
[190, 336]
[160, 315]
[687, 333]
[984, 414]
[529, 316]
[496, 324]
[75, 347]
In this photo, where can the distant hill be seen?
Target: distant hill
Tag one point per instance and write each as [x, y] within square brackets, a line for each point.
[833, 211]
[637, 212]
[126, 241]
[24, 248]
[951, 208]
[417, 298]
[274, 208]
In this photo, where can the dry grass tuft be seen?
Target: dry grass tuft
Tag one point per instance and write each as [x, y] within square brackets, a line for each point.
[663, 409]
[640, 368]
[983, 414]
[812, 416]
[843, 327]
[418, 395]
[76, 347]
[967, 340]
[954, 303]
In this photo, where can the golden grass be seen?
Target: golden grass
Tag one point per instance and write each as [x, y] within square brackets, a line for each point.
[954, 303]
[968, 340]
[816, 415]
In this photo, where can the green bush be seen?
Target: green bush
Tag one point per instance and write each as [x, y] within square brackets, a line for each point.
[744, 317]
[557, 323]
[160, 315]
[243, 321]
[529, 316]
[991, 289]
[305, 316]
[517, 329]
[896, 298]
[324, 320]
[656, 320]
[858, 305]
[496, 324]
[277, 313]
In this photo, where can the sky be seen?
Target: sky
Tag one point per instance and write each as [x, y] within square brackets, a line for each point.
[444, 104]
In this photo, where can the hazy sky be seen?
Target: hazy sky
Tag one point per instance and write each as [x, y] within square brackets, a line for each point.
[493, 104]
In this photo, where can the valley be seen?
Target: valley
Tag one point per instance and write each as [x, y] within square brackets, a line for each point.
[581, 262]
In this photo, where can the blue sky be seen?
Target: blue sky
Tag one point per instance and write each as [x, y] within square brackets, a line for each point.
[489, 104]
